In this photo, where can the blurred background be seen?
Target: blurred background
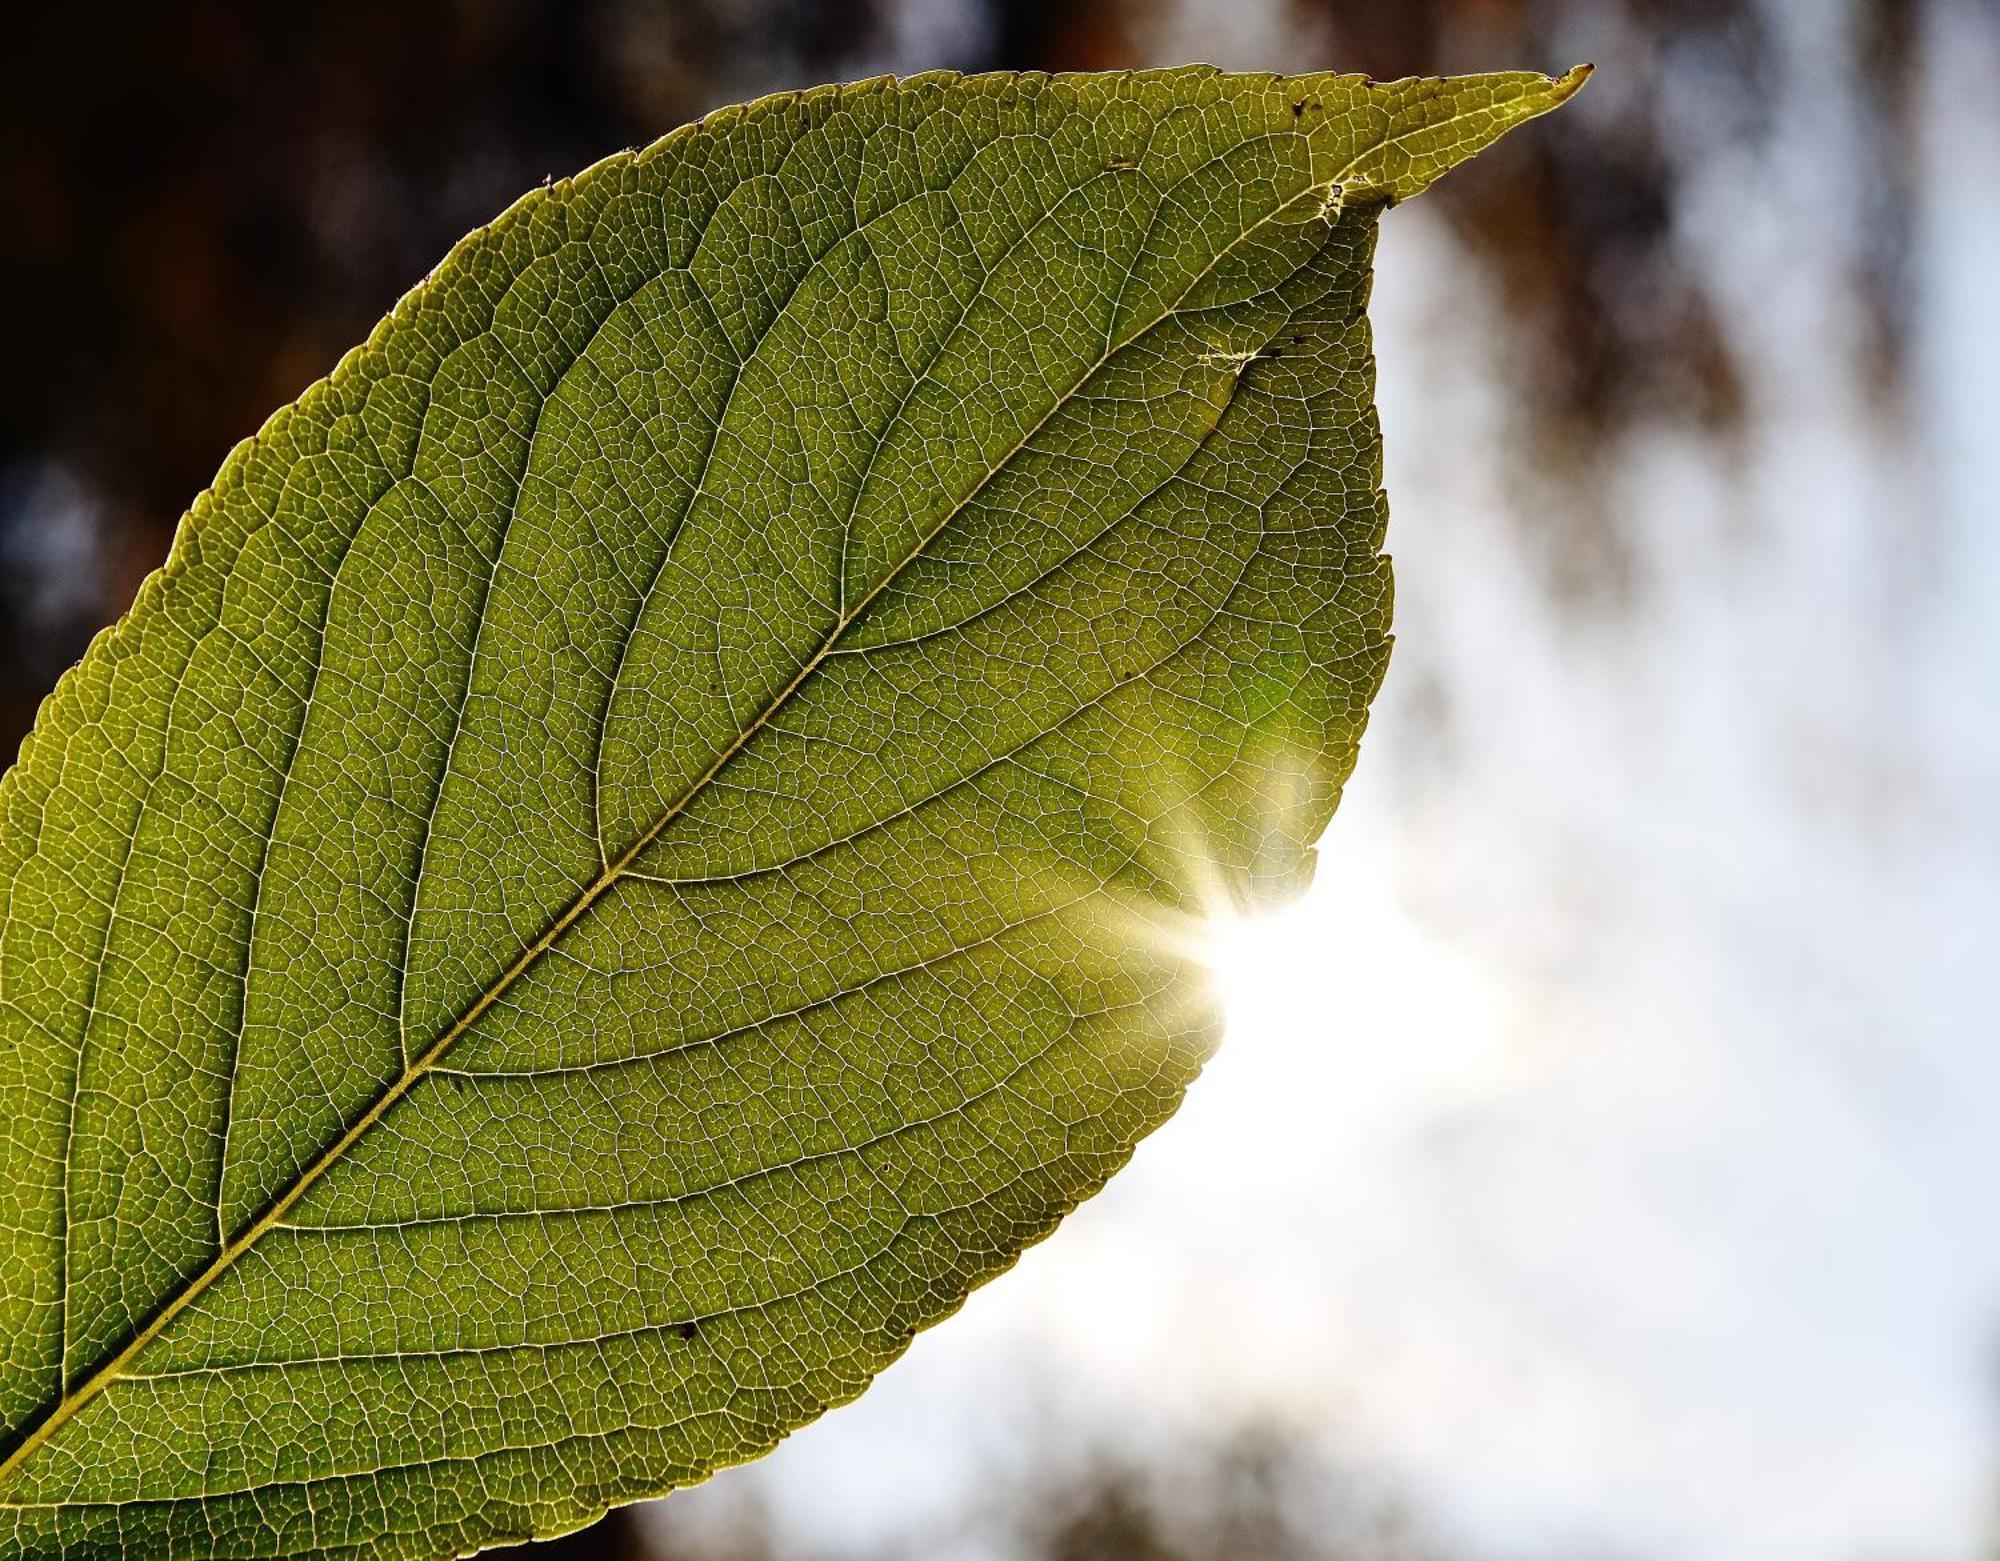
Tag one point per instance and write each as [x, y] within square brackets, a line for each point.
[1604, 1161]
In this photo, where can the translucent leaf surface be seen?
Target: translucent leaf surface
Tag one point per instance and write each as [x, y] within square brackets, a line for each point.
[652, 831]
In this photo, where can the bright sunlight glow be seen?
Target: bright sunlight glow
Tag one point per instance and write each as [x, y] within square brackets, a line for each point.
[1346, 1016]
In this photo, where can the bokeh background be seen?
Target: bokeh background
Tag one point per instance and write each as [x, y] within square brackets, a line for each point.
[1604, 1161]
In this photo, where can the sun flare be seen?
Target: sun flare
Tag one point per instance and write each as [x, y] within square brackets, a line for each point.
[1348, 1013]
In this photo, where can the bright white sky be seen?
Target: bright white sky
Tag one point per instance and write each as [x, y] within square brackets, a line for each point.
[1605, 1145]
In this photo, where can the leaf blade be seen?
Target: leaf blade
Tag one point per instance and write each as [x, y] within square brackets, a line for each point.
[329, 738]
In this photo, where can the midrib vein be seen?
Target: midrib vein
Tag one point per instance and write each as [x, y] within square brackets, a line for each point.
[274, 1213]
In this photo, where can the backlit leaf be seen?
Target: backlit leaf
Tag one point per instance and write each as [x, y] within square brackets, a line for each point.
[653, 830]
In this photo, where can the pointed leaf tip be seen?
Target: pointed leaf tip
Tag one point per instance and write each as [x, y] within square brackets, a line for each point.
[1425, 126]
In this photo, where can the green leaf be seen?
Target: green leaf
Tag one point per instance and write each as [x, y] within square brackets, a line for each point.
[653, 829]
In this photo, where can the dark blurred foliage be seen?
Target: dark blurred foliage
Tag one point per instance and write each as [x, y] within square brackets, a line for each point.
[1585, 231]
[1253, 1494]
[207, 203]
[616, 1534]
[1579, 227]
[1257, 1495]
